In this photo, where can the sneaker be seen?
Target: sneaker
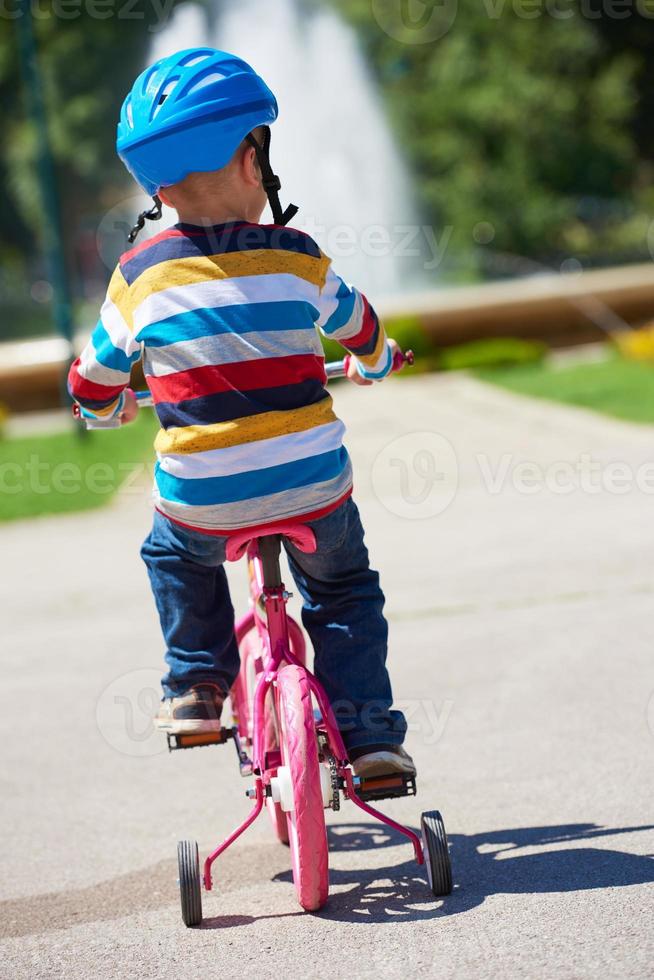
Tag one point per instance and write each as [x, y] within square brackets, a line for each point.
[388, 760]
[194, 712]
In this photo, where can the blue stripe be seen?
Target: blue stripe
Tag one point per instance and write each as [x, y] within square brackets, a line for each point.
[226, 406]
[108, 355]
[254, 483]
[346, 299]
[217, 240]
[376, 375]
[238, 319]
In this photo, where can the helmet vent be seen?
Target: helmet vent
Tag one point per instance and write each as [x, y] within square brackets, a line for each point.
[163, 95]
[214, 76]
[195, 59]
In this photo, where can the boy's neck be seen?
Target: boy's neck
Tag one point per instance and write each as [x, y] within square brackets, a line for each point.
[206, 217]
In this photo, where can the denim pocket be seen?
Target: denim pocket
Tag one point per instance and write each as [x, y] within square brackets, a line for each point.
[331, 531]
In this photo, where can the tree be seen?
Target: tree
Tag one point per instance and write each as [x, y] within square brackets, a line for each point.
[521, 124]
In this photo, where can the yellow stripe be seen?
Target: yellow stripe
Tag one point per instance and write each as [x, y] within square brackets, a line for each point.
[220, 435]
[108, 410]
[230, 265]
[370, 360]
[118, 294]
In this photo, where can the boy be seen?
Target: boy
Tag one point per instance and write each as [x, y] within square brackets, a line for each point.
[223, 312]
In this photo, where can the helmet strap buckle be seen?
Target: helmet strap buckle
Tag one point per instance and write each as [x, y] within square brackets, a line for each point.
[269, 180]
[150, 214]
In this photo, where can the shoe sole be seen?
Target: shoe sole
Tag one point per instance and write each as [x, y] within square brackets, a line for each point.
[188, 726]
[376, 769]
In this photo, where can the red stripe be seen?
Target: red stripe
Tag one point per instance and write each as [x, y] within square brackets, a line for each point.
[168, 233]
[89, 390]
[261, 528]
[369, 322]
[178, 233]
[269, 372]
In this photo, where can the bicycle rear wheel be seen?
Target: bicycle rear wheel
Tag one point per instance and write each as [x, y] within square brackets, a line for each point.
[306, 819]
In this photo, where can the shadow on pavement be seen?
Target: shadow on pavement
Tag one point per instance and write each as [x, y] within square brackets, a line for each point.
[483, 864]
[497, 862]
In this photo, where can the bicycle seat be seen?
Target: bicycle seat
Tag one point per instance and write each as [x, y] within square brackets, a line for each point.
[298, 534]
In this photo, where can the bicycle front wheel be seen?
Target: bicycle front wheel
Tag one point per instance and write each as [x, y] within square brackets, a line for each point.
[306, 819]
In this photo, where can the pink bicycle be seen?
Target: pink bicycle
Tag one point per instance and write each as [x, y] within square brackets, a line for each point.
[287, 739]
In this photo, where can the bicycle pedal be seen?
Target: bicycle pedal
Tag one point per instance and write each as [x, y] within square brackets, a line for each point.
[196, 739]
[387, 787]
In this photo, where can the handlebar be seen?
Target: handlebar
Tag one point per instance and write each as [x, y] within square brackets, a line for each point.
[333, 369]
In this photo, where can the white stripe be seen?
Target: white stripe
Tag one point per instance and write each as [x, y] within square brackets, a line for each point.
[91, 369]
[119, 333]
[226, 348]
[383, 363]
[212, 294]
[328, 303]
[352, 326]
[254, 455]
[260, 510]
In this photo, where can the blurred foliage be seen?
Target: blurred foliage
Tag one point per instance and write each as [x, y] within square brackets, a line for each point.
[529, 135]
[493, 352]
[87, 65]
[616, 386]
[490, 352]
[539, 125]
[61, 473]
[88, 56]
[638, 345]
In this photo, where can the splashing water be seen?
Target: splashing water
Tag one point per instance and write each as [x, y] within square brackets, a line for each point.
[331, 145]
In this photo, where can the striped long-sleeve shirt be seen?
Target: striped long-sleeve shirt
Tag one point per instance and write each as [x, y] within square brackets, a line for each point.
[225, 321]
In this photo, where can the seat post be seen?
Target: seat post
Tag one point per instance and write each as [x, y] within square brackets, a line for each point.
[269, 551]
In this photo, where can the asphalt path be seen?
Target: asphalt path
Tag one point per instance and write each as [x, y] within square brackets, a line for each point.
[515, 541]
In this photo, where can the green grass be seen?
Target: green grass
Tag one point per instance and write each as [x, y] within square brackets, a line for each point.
[618, 387]
[65, 472]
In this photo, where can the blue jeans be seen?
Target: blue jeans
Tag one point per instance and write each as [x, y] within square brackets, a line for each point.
[342, 613]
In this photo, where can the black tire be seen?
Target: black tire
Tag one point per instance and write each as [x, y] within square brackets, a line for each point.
[437, 855]
[188, 862]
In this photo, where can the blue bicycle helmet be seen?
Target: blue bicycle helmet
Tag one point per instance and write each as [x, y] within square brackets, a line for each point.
[189, 112]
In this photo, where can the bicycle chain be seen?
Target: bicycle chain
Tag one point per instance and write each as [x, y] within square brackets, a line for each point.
[333, 775]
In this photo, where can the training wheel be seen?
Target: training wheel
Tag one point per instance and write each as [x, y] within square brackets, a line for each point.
[188, 862]
[437, 855]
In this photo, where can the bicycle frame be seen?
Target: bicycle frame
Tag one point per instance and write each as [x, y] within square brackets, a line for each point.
[282, 644]
[268, 599]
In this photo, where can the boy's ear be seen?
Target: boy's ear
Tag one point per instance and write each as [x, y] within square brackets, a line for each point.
[250, 167]
[161, 194]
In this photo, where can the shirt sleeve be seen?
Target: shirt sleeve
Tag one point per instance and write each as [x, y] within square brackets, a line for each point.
[346, 315]
[98, 378]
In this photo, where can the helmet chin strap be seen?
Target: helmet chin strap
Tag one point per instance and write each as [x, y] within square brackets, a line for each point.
[151, 214]
[269, 180]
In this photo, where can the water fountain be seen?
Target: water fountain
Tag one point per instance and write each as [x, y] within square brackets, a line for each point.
[331, 144]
